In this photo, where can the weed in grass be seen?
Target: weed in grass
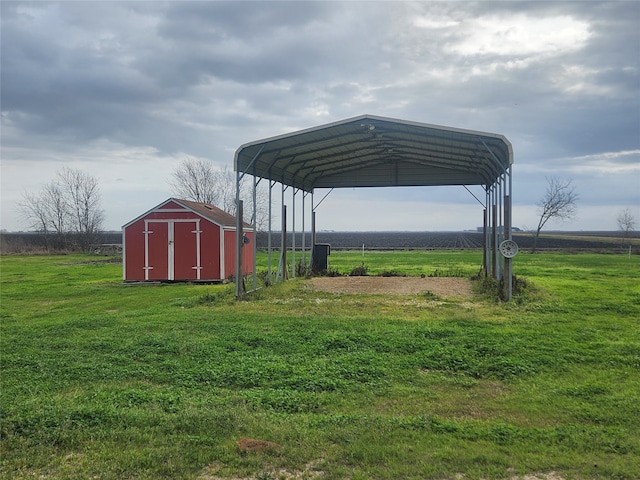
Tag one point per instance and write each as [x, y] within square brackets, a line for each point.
[329, 272]
[523, 291]
[285, 400]
[218, 296]
[451, 272]
[359, 271]
[428, 295]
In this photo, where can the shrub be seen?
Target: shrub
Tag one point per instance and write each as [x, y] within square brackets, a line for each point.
[451, 272]
[490, 287]
[359, 271]
[302, 270]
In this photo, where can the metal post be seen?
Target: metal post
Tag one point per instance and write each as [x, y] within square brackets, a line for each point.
[238, 238]
[313, 237]
[313, 232]
[500, 225]
[304, 195]
[283, 233]
[240, 290]
[254, 216]
[509, 216]
[494, 238]
[485, 256]
[508, 283]
[293, 232]
[269, 237]
[283, 251]
[487, 240]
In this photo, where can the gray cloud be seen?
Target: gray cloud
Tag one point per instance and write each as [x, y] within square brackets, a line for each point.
[560, 79]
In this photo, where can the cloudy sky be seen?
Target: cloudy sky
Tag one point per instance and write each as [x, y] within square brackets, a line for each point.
[127, 90]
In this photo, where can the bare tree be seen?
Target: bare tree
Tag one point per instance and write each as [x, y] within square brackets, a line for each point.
[57, 207]
[82, 194]
[227, 185]
[48, 213]
[227, 190]
[196, 180]
[199, 181]
[69, 204]
[626, 223]
[33, 209]
[559, 202]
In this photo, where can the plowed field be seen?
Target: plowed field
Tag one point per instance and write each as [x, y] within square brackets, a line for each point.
[457, 240]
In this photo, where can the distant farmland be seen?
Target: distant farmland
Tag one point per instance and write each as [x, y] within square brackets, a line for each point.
[603, 241]
[569, 241]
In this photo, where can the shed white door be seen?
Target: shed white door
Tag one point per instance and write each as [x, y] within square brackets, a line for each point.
[172, 249]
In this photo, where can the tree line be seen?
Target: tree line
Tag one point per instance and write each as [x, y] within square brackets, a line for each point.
[67, 211]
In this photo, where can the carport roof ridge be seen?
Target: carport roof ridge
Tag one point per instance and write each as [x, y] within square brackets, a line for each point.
[373, 151]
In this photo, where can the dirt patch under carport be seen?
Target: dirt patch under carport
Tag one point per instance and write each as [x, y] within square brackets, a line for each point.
[440, 286]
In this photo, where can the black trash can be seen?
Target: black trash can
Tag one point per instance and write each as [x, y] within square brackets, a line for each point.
[321, 252]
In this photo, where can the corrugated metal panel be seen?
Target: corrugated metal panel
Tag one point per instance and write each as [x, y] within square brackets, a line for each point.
[377, 151]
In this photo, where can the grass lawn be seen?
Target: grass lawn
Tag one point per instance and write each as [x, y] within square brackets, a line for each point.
[105, 380]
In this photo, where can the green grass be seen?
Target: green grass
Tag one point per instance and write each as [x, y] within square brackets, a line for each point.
[464, 263]
[106, 380]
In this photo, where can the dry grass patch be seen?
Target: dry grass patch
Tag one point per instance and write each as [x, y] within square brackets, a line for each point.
[247, 445]
[440, 286]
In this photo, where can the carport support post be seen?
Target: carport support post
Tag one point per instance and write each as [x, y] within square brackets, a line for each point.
[313, 232]
[313, 236]
[254, 218]
[494, 242]
[487, 237]
[304, 232]
[239, 241]
[269, 238]
[293, 232]
[283, 247]
[485, 252]
[507, 276]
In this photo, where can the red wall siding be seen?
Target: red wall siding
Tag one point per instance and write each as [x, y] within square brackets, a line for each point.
[230, 253]
[134, 251]
[210, 250]
[247, 254]
[185, 255]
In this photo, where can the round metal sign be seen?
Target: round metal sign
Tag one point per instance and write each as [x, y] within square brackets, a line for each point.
[508, 249]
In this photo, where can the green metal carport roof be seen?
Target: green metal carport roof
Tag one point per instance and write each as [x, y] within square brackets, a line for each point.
[372, 151]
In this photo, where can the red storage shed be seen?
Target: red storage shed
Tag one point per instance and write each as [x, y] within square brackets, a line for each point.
[183, 240]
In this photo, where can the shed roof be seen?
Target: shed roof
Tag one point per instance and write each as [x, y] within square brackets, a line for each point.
[205, 210]
[372, 151]
[211, 212]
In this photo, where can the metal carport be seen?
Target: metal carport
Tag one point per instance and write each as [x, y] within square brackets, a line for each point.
[373, 151]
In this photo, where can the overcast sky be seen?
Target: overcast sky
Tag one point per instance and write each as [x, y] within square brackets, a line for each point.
[126, 91]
